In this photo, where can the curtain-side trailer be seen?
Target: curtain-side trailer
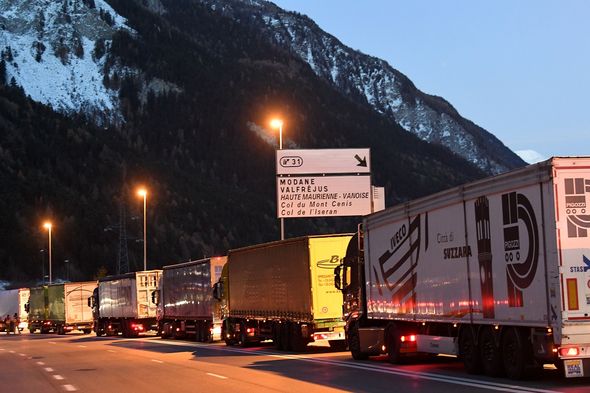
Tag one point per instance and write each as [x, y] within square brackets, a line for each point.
[283, 291]
[67, 306]
[122, 303]
[185, 300]
[496, 271]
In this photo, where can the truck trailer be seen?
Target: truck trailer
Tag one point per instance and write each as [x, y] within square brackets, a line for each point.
[186, 307]
[496, 272]
[61, 307]
[13, 301]
[283, 291]
[122, 303]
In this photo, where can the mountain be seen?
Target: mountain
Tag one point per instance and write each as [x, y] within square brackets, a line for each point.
[175, 96]
[372, 81]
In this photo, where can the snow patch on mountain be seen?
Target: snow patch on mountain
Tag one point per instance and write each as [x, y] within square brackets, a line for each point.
[56, 51]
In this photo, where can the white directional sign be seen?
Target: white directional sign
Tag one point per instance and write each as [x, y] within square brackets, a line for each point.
[323, 161]
[323, 196]
[323, 183]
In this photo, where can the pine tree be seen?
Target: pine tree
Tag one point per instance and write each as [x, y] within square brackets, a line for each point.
[2, 73]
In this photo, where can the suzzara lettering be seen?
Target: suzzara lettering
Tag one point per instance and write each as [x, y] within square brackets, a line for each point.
[457, 252]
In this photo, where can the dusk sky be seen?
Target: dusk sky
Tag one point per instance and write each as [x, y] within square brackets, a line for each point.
[519, 69]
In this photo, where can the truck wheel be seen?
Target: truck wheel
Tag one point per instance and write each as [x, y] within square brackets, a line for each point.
[469, 352]
[277, 337]
[298, 342]
[243, 337]
[514, 353]
[285, 336]
[491, 358]
[393, 340]
[338, 345]
[354, 342]
[60, 330]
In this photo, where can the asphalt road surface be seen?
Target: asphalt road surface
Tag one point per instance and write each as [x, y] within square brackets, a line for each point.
[85, 363]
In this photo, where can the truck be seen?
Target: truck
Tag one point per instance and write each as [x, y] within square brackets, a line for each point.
[123, 304]
[496, 272]
[283, 291]
[186, 307]
[13, 301]
[61, 308]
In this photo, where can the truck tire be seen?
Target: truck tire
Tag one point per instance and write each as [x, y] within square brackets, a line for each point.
[286, 336]
[60, 330]
[338, 345]
[354, 342]
[393, 340]
[514, 353]
[469, 351]
[491, 359]
[298, 342]
[277, 337]
[243, 337]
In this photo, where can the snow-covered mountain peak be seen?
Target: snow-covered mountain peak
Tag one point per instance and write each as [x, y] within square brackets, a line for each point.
[56, 51]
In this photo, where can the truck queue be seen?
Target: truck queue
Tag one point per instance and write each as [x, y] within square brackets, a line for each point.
[495, 272]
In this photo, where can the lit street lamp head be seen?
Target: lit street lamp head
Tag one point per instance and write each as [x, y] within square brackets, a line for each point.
[142, 192]
[276, 123]
[47, 225]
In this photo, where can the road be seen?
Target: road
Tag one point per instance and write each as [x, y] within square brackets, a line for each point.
[85, 363]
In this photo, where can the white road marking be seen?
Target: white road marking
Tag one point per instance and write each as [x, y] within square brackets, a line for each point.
[81, 346]
[217, 376]
[11, 351]
[111, 351]
[51, 342]
[22, 354]
[69, 388]
[2, 349]
[48, 369]
[41, 363]
[58, 377]
[501, 387]
[157, 361]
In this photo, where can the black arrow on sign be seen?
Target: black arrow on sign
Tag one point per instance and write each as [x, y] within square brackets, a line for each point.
[362, 162]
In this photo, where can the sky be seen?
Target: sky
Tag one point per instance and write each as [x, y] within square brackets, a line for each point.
[519, 69]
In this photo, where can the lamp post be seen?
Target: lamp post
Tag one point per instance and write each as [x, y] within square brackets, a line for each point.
[278, 123]
[48, 226]
[142, 192]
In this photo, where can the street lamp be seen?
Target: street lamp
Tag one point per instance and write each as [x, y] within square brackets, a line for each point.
[47, 225]
[142, 192]
[278, 123]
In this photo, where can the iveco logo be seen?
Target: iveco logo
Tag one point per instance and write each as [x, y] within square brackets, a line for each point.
[291, 161]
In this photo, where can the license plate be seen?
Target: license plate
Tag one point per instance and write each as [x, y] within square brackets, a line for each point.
[574, 368]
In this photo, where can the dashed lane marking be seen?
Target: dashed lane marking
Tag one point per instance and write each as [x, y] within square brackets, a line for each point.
[69, 388]
[22, 354]
[111, 351]
[58, 377]
[157, 361]
[48, 369]
[217, 376]
[81, 346]
[41, 363]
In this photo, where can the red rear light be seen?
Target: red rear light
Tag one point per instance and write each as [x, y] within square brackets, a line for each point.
[249, 330]
[410, 338]
[571, 351]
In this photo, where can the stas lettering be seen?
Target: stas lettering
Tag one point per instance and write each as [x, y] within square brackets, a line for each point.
[397, 264]
[519, 274]
[484, 255]
[578, 221]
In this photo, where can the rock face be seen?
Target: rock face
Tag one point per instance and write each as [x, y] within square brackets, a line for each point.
[373, 81]
[57, 50]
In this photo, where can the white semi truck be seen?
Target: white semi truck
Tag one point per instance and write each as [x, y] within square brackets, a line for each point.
[496, 271]
[123, 303]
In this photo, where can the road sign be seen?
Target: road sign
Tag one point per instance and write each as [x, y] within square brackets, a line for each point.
[323, 196]
[323, 183]
[323, 161]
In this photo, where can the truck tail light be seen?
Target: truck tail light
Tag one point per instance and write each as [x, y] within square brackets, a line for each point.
[569, 352]
[320, 336]
[411, 338]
